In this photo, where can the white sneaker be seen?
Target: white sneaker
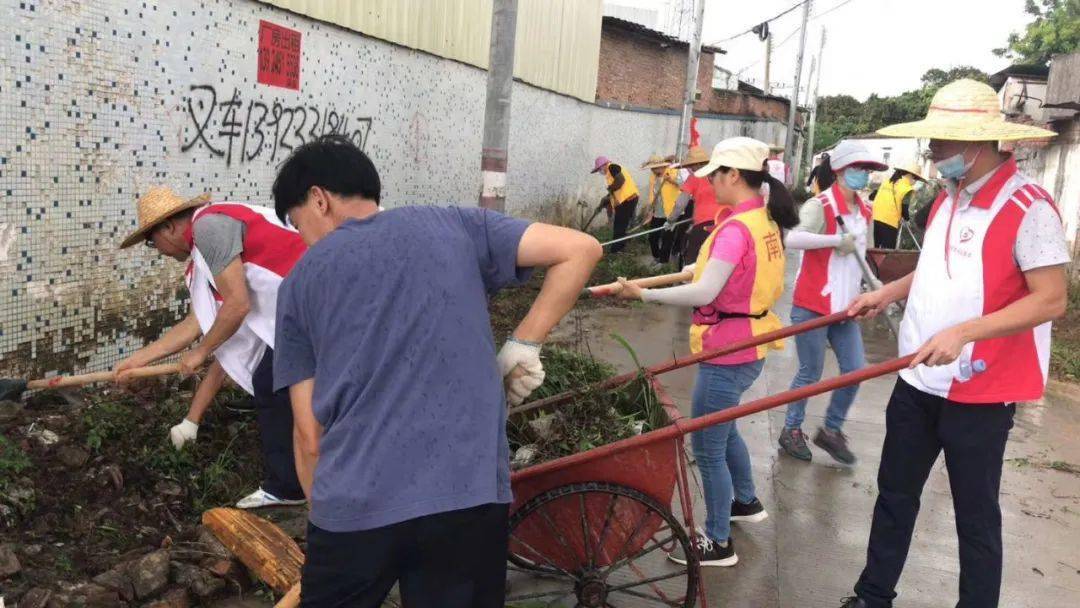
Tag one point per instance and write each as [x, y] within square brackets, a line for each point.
[261, 498]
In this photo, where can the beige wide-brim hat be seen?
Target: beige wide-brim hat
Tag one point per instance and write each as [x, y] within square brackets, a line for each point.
[157, 205]
[654, 162]
[965, 110]
[695, 156]
[743, 153]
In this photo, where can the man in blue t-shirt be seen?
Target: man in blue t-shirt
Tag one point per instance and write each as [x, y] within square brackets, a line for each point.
[384, 341]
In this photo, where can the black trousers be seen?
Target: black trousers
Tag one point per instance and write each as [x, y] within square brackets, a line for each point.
[447, 560]
[273, 413]
[695, 238]
[624, 214]
[918, 426]
[885, 235]
[660, 241]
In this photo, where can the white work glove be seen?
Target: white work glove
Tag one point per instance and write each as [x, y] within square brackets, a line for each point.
[183, 433]
[847, 245]
[522, 372]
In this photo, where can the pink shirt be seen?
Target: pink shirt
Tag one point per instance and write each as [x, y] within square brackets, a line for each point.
[733, 244]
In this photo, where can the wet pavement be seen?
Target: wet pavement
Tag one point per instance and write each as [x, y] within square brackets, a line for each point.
[810, 550]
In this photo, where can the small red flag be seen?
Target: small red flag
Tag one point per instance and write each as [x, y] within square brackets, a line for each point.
[695, 137]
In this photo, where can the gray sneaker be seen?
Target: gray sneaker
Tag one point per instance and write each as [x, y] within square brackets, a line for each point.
[835, 443]
[793, 442]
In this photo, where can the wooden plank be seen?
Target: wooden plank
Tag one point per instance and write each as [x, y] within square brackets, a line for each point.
[260, 545]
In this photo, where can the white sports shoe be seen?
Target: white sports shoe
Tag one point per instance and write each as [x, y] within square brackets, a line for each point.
[261, 498]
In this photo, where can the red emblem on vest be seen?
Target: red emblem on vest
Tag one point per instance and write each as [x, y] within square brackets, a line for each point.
[966, 234]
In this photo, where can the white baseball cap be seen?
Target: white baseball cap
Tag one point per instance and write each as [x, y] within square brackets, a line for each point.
[745, 153]
[849, 152]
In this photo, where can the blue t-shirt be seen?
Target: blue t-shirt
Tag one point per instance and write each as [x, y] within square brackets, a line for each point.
[389, 315]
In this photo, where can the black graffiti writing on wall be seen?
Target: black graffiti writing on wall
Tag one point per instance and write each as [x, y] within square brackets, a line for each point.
[243, 132]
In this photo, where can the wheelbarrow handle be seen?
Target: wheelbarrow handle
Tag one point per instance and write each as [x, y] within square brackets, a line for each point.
[734, 347]
[82, 379]
[610, 289]
[689, 425]
[290, 599]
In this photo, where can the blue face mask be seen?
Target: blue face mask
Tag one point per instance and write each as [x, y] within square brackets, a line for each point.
[954, 167]
[856, 179]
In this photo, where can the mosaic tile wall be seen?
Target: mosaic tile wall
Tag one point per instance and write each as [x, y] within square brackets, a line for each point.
[101, 100]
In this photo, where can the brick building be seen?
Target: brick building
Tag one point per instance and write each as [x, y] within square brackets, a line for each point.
[645, 69]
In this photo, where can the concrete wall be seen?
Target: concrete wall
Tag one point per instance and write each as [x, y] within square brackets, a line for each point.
[99, 101]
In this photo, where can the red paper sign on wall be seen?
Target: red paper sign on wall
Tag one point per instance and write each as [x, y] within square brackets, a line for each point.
[279, 56]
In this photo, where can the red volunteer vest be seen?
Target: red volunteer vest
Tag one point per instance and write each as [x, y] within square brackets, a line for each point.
[811, 285]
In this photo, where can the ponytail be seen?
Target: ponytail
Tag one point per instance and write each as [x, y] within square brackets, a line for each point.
[825, 174]
[781, 205]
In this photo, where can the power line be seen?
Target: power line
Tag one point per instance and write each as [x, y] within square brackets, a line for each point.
[750, 30]
[796, 31]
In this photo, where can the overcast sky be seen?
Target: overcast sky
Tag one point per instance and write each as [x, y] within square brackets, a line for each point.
[873, 46]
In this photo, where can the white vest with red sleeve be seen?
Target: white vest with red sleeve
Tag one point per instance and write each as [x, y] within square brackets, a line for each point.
[270, 251]
[967, 269]
[828, 281]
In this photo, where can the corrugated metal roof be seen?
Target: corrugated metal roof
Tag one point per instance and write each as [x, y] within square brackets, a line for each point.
[557, 44]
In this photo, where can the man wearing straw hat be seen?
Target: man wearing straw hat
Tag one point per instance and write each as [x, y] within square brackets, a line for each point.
[621, 200]
[706, 211]
[990, 280]
[237, 256]
[663, 193]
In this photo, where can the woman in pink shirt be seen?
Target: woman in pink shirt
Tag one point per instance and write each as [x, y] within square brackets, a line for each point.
[738, 276]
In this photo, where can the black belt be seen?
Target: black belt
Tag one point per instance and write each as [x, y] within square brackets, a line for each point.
[712, 317]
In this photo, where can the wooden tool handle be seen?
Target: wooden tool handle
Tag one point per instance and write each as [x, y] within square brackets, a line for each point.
[163, 369]
[610, 289]
[290, 599]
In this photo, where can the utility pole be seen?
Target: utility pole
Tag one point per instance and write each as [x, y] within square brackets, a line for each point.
[797, 164]
[768, 64]
[789, 143]
[813, 104]
[500, 81]
[690, 93]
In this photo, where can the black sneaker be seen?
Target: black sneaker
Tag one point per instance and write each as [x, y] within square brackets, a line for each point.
[710, 552]
[835, 443]
[793, 442]
[854, 602]
[751, 512]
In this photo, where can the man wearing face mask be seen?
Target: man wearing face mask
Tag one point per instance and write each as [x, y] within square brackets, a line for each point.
[990, 280]
[834, 227]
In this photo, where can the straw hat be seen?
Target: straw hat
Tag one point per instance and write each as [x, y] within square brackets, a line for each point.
[157, 205]
[744, 153]
[695, 156]
[776, 148]
[654, 162]
[965, 110]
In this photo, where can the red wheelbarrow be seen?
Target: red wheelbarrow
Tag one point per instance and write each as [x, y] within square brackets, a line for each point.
[594, 529]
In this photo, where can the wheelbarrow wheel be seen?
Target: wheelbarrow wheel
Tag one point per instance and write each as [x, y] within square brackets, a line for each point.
[598, 545]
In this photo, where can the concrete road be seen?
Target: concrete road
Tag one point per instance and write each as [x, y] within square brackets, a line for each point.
[810, 551]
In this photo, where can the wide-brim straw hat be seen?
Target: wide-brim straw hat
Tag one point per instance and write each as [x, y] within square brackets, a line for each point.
[157, 205]
[776, 148]
[654, 162]
[965, 110]
[695, 156]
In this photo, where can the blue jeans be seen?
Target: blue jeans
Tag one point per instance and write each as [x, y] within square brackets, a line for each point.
[846, 340]
[721, 454]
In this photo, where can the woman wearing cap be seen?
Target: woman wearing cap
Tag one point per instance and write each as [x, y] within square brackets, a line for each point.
[621, 200]
[834, 227]
[663, 192]
[738, 277]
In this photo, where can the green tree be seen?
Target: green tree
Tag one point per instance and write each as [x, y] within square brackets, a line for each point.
[935, 79]
[1055, 29]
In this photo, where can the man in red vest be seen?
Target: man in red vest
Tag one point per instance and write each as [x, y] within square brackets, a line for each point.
[239, 254]
[990, 279]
